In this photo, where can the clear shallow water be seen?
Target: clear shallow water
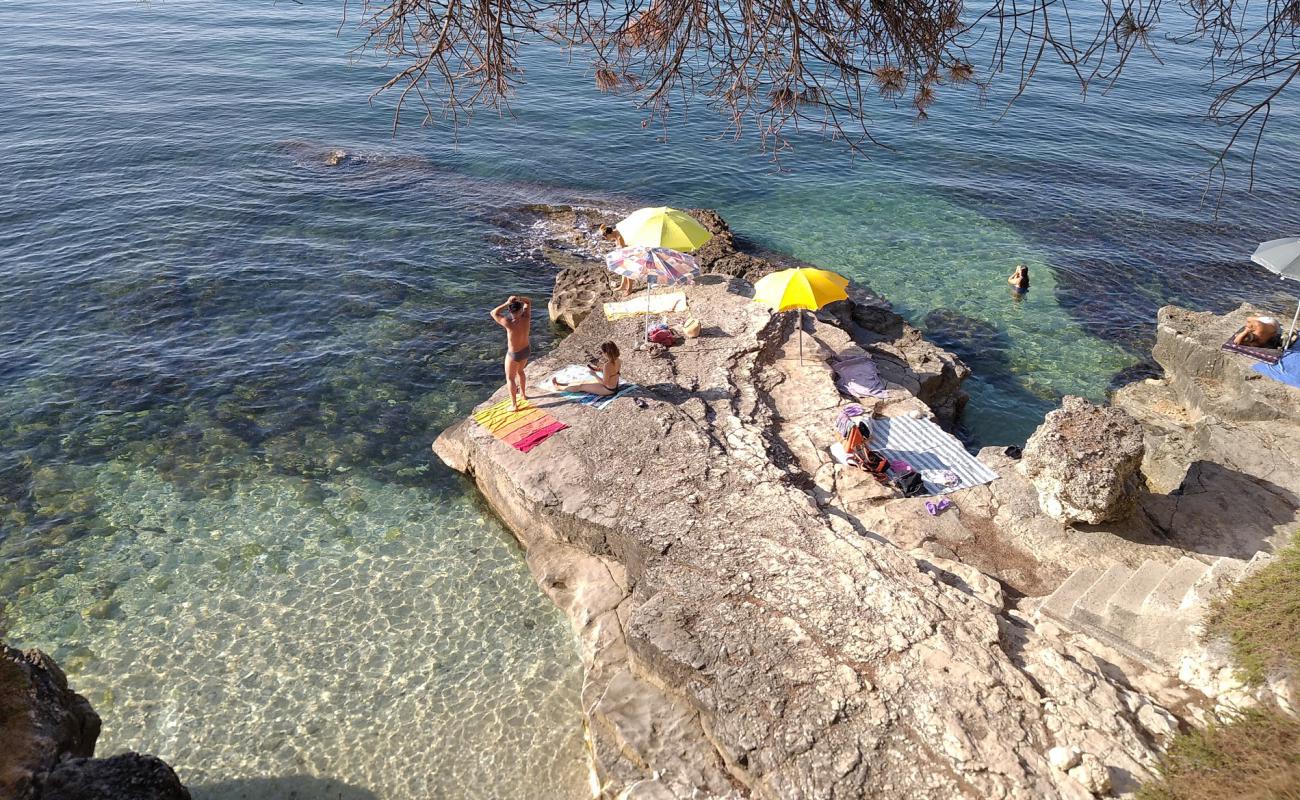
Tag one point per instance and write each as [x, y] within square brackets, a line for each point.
[224, 362]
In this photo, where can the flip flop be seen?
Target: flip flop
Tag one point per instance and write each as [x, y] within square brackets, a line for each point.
[935, 509]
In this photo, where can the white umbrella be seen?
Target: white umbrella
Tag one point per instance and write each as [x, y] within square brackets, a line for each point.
[1281, 256]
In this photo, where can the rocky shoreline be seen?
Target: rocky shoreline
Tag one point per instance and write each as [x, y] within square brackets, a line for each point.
[47, 742]
[757, 621]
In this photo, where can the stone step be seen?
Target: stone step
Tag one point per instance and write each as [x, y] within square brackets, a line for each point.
[1217, 580]
[1060, 603]
[1256, 563]
[1174, 590]
[1124, 611]
[1090, 608]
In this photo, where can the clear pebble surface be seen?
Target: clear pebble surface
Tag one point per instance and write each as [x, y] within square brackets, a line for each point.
[223, 361]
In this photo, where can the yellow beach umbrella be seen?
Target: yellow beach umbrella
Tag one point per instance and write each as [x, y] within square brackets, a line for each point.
[663, 227]
[799, 289]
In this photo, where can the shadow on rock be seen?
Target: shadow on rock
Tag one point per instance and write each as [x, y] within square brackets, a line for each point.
[1218, 511]
[285, 787]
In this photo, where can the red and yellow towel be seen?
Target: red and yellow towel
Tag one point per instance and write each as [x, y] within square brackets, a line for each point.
[523, 429]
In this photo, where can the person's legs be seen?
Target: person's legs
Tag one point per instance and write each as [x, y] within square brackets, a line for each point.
[510, 381]
[626, 286]
[590, 388]
[521, 378]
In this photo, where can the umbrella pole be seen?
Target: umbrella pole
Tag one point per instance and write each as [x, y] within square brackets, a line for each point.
[798, 331]
[1291, 333]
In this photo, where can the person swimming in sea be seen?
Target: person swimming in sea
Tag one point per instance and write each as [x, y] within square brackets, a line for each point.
[516, 316]
[606, 372]
[1019, 280]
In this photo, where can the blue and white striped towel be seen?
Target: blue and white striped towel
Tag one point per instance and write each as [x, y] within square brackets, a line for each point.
[930, 451]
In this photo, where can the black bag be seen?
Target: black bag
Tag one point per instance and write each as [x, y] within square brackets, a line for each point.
[876, 464]
[910, 483]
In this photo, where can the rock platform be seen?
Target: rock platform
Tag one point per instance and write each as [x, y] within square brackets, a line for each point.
[743, 634]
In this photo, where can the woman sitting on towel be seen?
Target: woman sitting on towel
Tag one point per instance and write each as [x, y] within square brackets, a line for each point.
[605, 371]
[1259, 332]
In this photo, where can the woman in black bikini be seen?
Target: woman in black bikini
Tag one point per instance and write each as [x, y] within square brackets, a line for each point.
[606, 372]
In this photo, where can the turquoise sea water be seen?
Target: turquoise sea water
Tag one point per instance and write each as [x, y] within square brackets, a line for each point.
[223, 361]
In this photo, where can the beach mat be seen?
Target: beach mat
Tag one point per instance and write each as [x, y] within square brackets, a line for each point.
[601, 401]
[659, 304]
[1287, 370]
[1269, 355]
[576, 373]
[523, 429]
[930, 451]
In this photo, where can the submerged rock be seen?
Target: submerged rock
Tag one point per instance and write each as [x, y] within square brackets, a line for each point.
[1084, 461]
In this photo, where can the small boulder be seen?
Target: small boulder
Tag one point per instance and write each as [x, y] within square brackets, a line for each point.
[1084, 460]
[1092, 774]
[1063, 758]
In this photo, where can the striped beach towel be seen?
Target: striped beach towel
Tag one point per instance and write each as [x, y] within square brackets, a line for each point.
[523, 429]
[600, 401]
[930, 451]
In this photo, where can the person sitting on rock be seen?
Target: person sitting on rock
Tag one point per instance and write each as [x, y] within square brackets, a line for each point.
[605, 371]
[1019, 279]
[1259, 332]
[610, 234]
[516, 316]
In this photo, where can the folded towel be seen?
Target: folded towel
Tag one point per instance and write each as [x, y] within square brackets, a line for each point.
[858, 377]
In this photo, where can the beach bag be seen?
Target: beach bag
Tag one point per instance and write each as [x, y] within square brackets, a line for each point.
[876, 464]
[910, 484]
[692, 328]
[663, 336]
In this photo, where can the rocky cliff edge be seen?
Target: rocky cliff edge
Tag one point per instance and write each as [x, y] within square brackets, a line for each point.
[745, 636]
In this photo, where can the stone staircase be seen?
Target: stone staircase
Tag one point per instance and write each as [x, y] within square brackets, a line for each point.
[1148, 613]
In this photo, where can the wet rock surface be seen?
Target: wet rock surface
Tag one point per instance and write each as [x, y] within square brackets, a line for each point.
[128, 776]
[47, 741]
[743, 634]
[1084, 462]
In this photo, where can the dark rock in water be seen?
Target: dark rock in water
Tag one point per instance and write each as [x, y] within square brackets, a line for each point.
[129, 776]
[47, 741]
[978, 342]
[42, 719]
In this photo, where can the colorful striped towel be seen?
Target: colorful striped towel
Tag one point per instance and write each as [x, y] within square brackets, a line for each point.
[598, 400]
[523, 429]
[576, 373]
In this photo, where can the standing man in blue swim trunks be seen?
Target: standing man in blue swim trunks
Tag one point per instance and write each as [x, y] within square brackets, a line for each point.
[516, 316]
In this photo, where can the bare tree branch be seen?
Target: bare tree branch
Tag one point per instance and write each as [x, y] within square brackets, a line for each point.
[776, 66]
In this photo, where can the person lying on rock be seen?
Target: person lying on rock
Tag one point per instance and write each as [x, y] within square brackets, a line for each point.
[1259, 332]
[516, 316]
[605, 370]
